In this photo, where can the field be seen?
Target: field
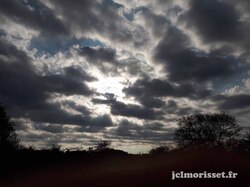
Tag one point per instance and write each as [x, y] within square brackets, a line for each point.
[117, 168]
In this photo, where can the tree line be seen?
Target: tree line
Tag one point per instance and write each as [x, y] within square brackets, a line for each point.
[199, 131]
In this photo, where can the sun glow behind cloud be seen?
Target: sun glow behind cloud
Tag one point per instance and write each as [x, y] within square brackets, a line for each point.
[112, 85]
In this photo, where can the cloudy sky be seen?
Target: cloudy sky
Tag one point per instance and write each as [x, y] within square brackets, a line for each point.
[74, 72]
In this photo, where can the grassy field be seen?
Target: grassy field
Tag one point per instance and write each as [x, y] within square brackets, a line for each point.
[116, 168]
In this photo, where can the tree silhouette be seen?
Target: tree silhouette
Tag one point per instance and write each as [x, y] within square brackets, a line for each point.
[206, 130]
[102, 145]
[159, 150]
[8, 137]
[245, 141]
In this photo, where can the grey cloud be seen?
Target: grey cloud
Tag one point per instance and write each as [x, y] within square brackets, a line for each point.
[98, 55]
[240, 101]
[64, 85]
[57, 118]
[20, 81]
[106, 60]
[220, 21]
[103, 58]
[43, 112]
[103, 101]
[78, 73]
[96, 124]
[129, 110]
[153, 126]
[104, 121]
[161, 88]
[55, 128]
[71, 104]
[126, 128]
[151, 131]
[158, 23]
[171, 104]
[183, 63]
[214, 20]
[94, 16]
[26, 93]
[36, 137]
[151, 102]
[33, 14]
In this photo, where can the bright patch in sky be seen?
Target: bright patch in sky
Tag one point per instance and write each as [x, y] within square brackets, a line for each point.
[112, 85]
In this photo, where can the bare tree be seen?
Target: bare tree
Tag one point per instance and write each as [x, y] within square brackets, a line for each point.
[8, 137]
[206, 130]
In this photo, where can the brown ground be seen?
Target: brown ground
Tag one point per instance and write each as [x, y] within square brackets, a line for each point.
[128, 171]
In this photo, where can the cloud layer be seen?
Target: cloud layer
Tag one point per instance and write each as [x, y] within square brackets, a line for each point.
[73, 73]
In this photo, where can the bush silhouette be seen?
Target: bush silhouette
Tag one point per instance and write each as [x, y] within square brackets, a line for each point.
[206, 130]
[8, 137]
[159, 150]
[55, 148]
[103, 145]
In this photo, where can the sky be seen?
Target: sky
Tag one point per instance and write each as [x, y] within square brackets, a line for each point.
[75, 72]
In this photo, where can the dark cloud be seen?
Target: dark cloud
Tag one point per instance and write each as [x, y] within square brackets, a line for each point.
[56, 118]
[129, 110]
[54, 128]
[220, 21]
[214, 20]
[94, 16]
[154, 126]
[127, 128]
[158, 23]
[94, 124]
[171, 104]
[106, 59]
[240, 101]
[151, 102]
[104, 121]
[33, 14]
[184, 63]
[36, 137]
[151, 131]
[184, 111]
[98, 55]
[26, 92]
[20, 80]
[97, 124]
[72, 105]
[65, 85]
[103, 101]
[146, 88]
[77, 73]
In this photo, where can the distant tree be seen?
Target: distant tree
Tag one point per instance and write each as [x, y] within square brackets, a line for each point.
[90, 149]
[159, 150]
[206, 130]
[55, 148]
[8, 137]
[103, 145]
[244, 143]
